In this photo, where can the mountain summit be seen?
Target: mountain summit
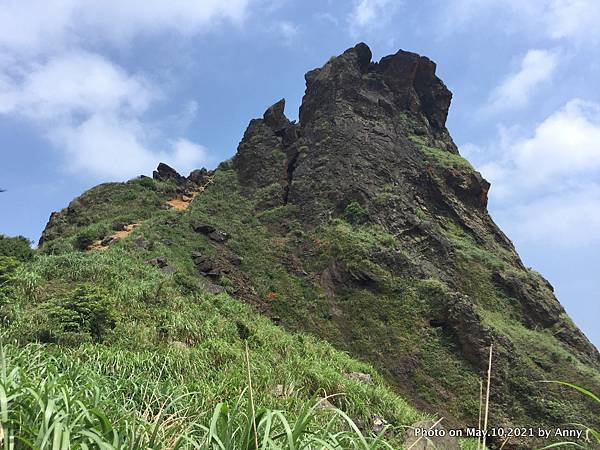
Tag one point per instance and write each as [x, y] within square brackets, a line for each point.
[362, 225]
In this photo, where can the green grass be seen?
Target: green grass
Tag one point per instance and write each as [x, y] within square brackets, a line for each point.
[96, 397]
[91, 215]
[165, 340]
[134, 339]
[592, 436]
[469, 249]
[441, 157]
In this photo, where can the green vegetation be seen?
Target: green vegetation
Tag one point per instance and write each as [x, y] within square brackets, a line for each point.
[99, 397]
[148, 360]
[468, 248]
[446, 159]
[92, 214]
[355, 213]
[15, 247]
[592, 435]
[138, 358]
[441, 157]
[85, 238]
[84, 314]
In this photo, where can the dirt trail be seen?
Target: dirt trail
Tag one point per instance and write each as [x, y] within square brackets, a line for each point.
[103, 244]
[179, 203]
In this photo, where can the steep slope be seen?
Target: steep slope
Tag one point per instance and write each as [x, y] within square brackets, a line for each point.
[362, 225]
[107, 349]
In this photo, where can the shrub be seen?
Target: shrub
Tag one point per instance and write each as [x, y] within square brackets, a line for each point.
[148, 183]
[90, 234]
[354, 213]
[17, 247]
[57, 247]
[8, 264]
[85, 314]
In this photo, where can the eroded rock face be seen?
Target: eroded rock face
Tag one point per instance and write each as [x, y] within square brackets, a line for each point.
[358, 124]
[369, 130]
[372, 136]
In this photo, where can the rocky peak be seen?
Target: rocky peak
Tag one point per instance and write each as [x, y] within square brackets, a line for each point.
[362, 125]
[274, 117]
[403, 81]
[373, 134]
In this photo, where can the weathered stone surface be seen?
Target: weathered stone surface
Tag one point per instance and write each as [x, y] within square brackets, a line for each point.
[199, 176]
[169, 270]
[108, 240]
[218, 236]
[159, 261]
[235, 259]
[165, 172]
[140, 243]
[118, 226]
[262, 159]
[274, 117]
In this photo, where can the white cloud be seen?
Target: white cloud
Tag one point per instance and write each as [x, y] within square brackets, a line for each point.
[368, 13]
[564, 147]
[575, 20]
[564, 220]
[537, 67]
[36, 25]
[105, 147]
[75, 83]
[545, 184]
[288, 31]
[92, 109]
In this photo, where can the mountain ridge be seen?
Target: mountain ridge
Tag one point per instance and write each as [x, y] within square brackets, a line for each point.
[362, 224]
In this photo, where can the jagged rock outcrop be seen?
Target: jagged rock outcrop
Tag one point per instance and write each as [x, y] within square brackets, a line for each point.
[165, 172]
[371, 136]
[366, 126]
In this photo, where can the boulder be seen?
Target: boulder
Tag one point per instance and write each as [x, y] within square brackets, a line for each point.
[108, 240]
[199, 176]
[204, 265]
[159, 262]
[169, 270]
[218, 236]
[165, 172]
[235, 259]
[140, 243]
[118, 225]
[204, 228]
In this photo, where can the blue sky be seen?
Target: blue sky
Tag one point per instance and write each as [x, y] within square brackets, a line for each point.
[101, 91]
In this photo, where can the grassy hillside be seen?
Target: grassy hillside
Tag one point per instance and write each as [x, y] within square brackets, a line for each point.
[140, 348]
[103, 347]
